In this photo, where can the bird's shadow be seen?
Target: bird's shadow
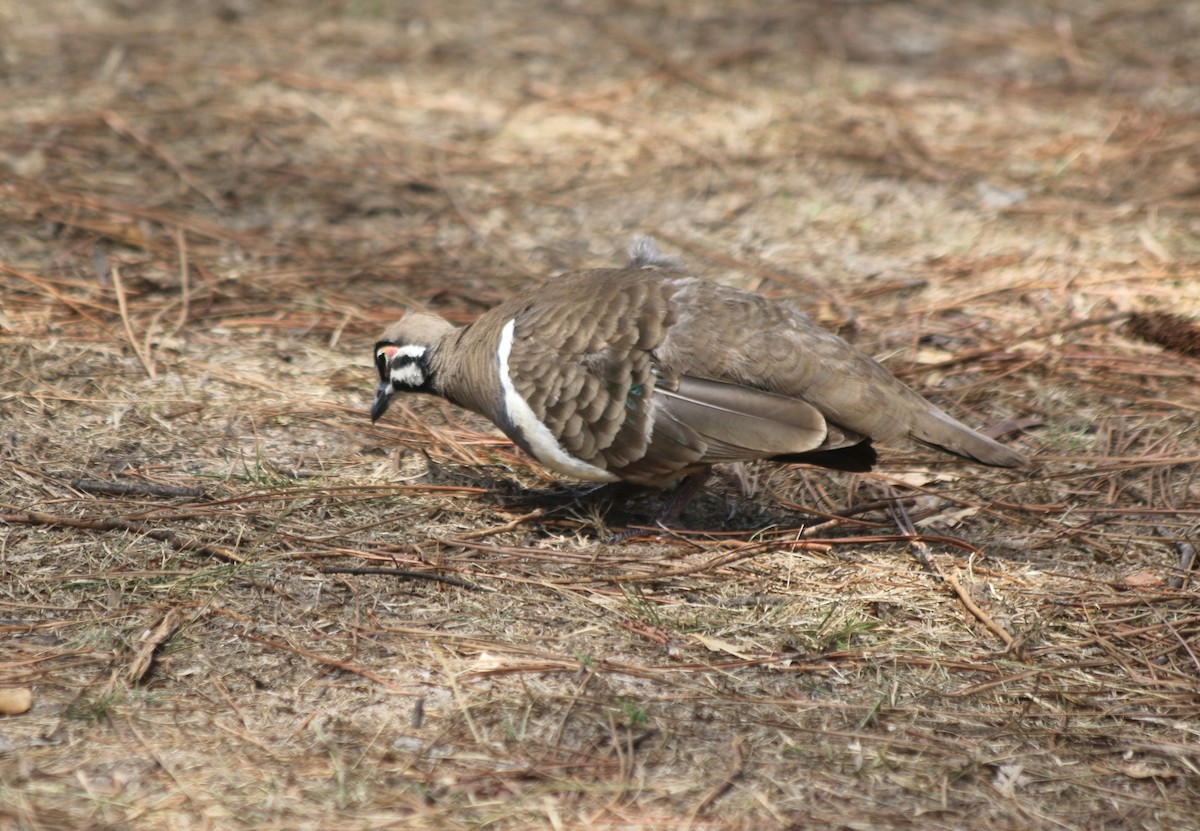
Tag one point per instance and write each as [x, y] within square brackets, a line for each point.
[621, 511]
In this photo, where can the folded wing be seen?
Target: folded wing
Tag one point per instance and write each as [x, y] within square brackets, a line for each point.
[735, 422]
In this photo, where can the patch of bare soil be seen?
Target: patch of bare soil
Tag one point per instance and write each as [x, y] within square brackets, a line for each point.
[237, 604]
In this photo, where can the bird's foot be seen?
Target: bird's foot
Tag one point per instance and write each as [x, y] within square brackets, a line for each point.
[671, 507]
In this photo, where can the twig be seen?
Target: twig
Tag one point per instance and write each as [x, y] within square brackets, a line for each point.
[984, 686]
[1187, 558]
[650, 125]
[738, 747]
[152, 639]
[119, 125]
[134, 488]
[406, 574]
[167, 765]
[500, 529]
[656, 634]
[333, 662]
[967, 357]
[474, 226]
[1175, 633]
[220, 552]
[983, 617]
[74, 304]
[119, 288]
[185, 283]
[648, 52]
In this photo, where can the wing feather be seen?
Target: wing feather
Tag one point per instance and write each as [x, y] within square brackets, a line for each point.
[737, 422]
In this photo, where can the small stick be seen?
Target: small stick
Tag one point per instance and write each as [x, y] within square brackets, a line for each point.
[500, 529]
[69, 302]
[1187, 558]
[980, 614]
[152, 639]
[468, 219]
[119, 125]
[967, 357]
[333, 662]
[1175, 632]
[648, 52]
[406, 574]
[185, 283]
[28, 517]
[133, 488]
[738, 746]
[119, 288]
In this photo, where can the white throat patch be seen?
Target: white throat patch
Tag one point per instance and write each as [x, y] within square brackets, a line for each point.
[542, 444]
[411, 374]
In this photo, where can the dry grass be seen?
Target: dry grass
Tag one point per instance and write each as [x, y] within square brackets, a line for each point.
[237, 605]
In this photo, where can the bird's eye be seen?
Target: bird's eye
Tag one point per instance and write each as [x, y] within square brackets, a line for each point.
[381, 364]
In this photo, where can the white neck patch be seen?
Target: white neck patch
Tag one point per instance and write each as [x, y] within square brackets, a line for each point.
[542, 444]
[410, 374]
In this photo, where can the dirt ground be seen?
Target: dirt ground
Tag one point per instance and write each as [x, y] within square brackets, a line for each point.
[237, 604]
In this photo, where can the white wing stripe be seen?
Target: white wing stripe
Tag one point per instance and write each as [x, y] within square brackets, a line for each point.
[542, 444]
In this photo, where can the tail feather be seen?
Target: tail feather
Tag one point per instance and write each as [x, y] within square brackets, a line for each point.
[938, 430]
[858, 458]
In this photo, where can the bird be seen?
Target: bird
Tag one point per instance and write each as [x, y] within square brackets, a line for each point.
[649, 375]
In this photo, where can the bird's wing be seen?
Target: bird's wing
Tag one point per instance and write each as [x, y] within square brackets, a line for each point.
[737, 422]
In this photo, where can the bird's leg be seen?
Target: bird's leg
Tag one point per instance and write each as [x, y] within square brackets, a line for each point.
[679, 497]
[672, 505]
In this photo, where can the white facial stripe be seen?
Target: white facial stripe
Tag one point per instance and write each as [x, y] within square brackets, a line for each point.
[390, 353]
[542, 444]
[409, 375]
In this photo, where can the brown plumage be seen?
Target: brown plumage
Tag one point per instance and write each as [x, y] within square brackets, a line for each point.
[649, 375]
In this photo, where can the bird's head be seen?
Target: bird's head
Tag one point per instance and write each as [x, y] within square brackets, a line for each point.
[404, 358]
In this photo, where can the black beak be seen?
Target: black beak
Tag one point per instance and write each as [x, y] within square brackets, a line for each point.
[383, 397]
